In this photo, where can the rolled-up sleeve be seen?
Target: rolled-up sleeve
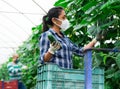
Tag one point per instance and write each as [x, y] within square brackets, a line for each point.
[44, 45]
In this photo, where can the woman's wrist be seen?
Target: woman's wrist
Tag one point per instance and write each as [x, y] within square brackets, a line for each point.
[94, 41]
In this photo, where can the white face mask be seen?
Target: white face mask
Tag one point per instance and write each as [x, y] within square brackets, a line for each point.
[65, 24]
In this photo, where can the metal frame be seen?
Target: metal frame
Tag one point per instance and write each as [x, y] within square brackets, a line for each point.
[88, 64]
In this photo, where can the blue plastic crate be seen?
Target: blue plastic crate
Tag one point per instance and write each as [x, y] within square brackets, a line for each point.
[51, 76]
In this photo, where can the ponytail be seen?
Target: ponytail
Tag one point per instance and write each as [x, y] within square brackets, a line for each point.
[45, 24]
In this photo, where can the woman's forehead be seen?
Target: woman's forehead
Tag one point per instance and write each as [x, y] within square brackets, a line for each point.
[63, 13]
[15, 55]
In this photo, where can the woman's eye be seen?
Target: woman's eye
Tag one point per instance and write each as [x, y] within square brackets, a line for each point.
[63, 17]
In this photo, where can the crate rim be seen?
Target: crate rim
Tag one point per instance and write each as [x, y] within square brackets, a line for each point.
[66, 68]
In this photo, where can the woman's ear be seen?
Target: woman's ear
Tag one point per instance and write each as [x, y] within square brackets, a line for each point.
[56, 21]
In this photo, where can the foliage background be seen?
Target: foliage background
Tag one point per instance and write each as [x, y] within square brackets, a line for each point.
[87, 18]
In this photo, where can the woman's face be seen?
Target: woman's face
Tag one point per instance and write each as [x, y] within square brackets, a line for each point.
[60, 18]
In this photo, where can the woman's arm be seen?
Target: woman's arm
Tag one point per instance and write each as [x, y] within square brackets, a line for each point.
[47, 49]
[47, 57]
[89, 45]
[80, 51]
[99, 36]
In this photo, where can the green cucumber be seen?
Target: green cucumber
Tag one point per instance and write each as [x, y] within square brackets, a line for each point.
[51, 38]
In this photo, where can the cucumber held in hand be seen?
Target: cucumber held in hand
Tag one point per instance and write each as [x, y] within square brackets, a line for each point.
[51, 38]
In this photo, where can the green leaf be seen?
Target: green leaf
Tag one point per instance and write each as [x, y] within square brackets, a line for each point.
[98, 59]
[93, 30]
[117, 43]
[107, 24]
[105, 59]
[109, 3]
[118, 60]
[89, 5]
[62, 3]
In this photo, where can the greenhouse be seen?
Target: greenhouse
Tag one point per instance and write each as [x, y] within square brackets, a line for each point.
[60, 44]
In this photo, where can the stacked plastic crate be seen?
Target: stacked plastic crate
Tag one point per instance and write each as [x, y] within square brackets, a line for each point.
[51, 76]
[9, 84]
[1, 84]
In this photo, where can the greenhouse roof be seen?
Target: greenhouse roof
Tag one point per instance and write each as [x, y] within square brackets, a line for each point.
[17, 17]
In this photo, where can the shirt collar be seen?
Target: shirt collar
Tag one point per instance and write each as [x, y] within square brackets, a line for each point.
[53, 32]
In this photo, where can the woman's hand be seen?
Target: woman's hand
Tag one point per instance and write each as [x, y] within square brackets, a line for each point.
[100, 35]
[54, 46]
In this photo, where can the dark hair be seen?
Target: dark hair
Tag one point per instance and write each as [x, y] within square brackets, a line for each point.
[47, 19]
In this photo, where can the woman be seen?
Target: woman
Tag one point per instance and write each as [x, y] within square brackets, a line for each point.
[58, 52]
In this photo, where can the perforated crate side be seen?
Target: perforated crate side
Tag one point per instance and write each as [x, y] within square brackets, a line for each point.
[50, 76]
